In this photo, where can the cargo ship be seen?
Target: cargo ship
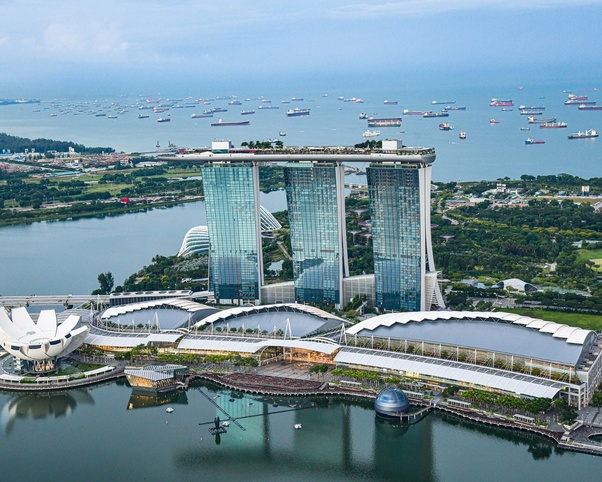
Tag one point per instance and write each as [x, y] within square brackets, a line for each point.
[369, 133]
[493, 121]
[230, 123]
[454, 107]
[268, 107]
[588, 134]
[413, 112]
[247, 112]
[534, 120]
[163, 119]
[553, 125]
[579, 102]
[526, 107]
[435, 114]
[390, 102]
[445, 126]
[435, 102]
[389, 122]
[531, 112]
[202, 116]
[501, 103]
[297, 112]
[589, 107]
[533, 141]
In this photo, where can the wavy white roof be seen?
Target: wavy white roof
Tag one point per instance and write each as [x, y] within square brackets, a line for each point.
[570, 334]
[187, 305]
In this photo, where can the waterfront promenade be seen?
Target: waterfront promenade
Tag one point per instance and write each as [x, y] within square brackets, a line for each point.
[50, 300]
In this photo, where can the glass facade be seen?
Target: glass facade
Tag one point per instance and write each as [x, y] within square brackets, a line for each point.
[231, 201]
[394, 192]
[314, 194]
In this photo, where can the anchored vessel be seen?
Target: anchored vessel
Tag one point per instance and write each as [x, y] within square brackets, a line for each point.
[389, 122]
[588, 134]
[230, 123]
[533, 141]
[297, 112]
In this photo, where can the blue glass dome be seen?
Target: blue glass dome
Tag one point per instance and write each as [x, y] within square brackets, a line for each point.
[391, 403]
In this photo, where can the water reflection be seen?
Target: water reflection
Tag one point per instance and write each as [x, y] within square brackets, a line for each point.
[41, 406]
[144, 400]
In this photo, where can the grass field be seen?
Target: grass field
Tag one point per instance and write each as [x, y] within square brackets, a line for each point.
[594, 255]
[582, 320]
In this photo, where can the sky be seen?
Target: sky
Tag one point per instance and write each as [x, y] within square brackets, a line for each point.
[70, 45]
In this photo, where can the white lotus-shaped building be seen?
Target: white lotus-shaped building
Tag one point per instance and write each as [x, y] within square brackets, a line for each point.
[36, 346]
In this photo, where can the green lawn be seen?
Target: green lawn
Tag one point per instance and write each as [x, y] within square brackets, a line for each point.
[582, 320]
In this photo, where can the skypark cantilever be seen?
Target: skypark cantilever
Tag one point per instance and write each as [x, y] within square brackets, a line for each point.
[399, 180]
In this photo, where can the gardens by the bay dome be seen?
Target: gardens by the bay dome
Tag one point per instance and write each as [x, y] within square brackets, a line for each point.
[391, 403]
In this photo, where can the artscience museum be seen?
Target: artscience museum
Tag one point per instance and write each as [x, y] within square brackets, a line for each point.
[37, 347]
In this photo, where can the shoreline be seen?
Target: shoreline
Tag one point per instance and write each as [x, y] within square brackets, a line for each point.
[289, 387]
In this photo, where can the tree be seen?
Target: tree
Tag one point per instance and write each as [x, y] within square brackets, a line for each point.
[106, 282]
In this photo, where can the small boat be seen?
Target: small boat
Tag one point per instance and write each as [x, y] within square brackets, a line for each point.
[445, 126]
[363, 116]
[297, 426]
[588, 134]
[493, 121]
[533, 141]
[112, 117]
[169, 410]
[282, 133]
[225, 424]
[507, 109]
[525, 128]
[369, 133]
[462, 135]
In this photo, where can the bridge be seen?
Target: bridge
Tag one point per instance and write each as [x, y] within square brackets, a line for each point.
[66, 300]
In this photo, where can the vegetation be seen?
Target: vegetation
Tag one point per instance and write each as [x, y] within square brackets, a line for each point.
[19, 144]
[490, 400]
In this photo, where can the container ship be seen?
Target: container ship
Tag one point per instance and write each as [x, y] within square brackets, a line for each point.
[389, 122]
[588, 134]
[297, 112]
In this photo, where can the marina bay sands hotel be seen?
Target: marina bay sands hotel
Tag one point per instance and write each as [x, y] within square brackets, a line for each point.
[399, 181]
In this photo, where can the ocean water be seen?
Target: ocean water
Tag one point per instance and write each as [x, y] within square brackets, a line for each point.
[488, 152]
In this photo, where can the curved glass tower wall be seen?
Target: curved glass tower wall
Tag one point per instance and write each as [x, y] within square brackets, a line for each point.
[233, 222]
[404, 275]
[315, 199]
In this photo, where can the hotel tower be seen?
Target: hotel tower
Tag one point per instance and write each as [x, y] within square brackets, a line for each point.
[399, 184]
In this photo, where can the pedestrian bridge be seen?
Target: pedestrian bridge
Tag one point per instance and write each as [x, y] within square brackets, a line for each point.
[43, 300]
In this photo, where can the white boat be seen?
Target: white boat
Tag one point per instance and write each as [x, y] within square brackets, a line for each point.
[282, 133]
[225, 424]
[369, 133]
[297, 426]
[462, 135]
[169, 410]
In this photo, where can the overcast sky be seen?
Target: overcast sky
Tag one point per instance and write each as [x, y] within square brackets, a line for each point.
[48, 42]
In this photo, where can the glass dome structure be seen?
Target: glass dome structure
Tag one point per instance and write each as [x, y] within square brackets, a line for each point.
[391, 403]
